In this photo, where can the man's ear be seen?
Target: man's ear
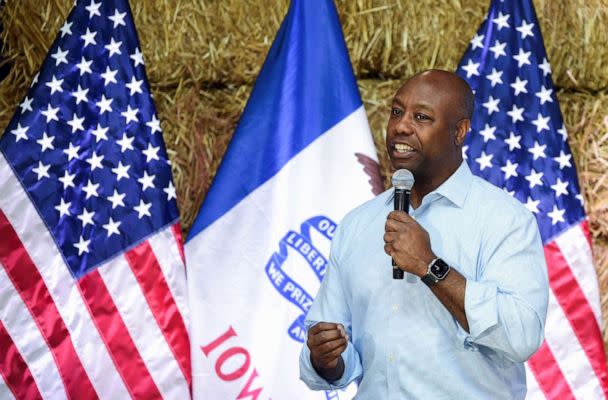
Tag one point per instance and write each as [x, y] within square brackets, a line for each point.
[462, 128]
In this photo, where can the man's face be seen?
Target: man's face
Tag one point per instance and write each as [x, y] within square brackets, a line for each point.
[420, 131]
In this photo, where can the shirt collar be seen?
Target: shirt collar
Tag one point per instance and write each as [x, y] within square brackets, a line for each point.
[456, 187]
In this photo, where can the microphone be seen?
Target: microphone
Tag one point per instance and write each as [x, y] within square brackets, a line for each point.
[403, 181]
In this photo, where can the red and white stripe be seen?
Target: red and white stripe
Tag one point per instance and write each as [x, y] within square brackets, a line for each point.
[120, 331]
[571, 364]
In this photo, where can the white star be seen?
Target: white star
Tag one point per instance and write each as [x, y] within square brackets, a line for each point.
[76, 123]
[112, 227]
[81, 95]
[488, 133]
[535, 178]
[562, 131]
[545, 66]
[501, 21]
[498, 49]
[519, 86]
[137, 57]
[117, 199]
[72, 151]
[541, 123]
[121, 171]
[84, 66]
[510, 169]
[109, 76]
[516, 114]
[35, 80]
[100, 133]
[130, 114]
[46, 142]
[147, 181]
[82, 245]
[580, 199]
[538, 151]
[477, 42]
[55, 85]
[532, 205]
[143, 209]
[89, 38]
[68, 180]
[50, 113]
[513, 141]
[494, 77]
[523, 57]
[154, 124]
[91, 189]
[525, 29]
[66, 29]
[563, 159]
[42, 170]
[510, 192]
[560, 187]
[134, 86]
[113, 47]
[63, 208]
[485, 160]
[93, 8]
[86, 217]
[556, 215]
[95, 161]
[464, 152]
[26, 105]
[471, 68]
[125, 143]
[104, 104]
[20, 132]
[151, 152]
[60, 56]
[170, 190]
[118, 18]
[492, 105]
[544, 95]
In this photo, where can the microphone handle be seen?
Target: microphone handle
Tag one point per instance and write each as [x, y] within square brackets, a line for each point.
[401, 203]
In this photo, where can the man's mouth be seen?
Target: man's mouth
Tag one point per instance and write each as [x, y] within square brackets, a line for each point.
[403, 148]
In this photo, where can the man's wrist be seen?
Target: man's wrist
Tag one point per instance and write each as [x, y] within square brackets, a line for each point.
[329, 374]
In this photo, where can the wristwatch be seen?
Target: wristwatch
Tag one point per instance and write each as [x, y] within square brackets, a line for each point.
[438, 270]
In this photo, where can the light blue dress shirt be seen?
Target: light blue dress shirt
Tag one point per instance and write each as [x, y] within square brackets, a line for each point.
[404, 343]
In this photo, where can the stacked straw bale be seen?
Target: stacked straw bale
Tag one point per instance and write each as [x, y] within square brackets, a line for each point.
[202, 57]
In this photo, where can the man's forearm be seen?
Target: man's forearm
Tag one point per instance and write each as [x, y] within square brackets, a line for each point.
[450, 292]
[330, 374]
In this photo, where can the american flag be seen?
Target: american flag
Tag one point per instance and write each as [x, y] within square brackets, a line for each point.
[92, 281]
[518, 142]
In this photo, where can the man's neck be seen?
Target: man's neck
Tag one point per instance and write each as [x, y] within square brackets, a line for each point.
[424, 185]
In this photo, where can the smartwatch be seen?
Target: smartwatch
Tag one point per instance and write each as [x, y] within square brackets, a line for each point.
[438, 270]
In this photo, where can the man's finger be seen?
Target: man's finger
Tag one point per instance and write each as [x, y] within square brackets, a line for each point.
[335, 353]
[400, 216]
[326, 348]
[324, 336]
[323, 326]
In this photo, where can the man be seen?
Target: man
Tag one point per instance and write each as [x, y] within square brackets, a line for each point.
[476, 309]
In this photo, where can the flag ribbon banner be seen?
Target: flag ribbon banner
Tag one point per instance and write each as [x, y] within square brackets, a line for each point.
[92, 284]
[301, 157]
[518, 142]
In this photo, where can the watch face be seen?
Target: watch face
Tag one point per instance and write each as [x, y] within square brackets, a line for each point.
[439, 268]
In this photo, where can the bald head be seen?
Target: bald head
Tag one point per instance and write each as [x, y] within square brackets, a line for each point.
[458, 89]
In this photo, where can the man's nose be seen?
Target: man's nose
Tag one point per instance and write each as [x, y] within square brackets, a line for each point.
[404, 126]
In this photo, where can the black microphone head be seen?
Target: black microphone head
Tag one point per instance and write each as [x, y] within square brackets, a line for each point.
[403, 179]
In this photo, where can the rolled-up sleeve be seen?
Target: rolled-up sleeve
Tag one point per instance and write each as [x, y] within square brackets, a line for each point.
[506, 304]
[330, 306]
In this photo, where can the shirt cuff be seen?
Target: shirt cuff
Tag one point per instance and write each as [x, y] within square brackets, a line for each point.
[352, 368]
[481, 307]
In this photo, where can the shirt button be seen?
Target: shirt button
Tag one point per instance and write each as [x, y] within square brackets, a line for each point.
[396, 307]
[391, 358]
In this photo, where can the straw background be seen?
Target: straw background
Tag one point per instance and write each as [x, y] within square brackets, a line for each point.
[203, 56]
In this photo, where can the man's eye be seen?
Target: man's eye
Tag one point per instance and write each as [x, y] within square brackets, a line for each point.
[396, 112]
[422, 117]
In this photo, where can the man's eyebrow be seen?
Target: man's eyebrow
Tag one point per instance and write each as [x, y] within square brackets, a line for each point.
[423, 106]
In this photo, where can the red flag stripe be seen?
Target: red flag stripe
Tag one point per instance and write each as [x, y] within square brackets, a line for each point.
[14, 369]
[27, 280]
[149, 275]
[577, 310]
[549, 376]
[116, 337]
[177, 233]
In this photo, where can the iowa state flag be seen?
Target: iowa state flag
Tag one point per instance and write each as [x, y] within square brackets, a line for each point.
[302, 156]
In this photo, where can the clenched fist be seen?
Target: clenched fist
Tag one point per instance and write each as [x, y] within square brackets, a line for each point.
[327, 341]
